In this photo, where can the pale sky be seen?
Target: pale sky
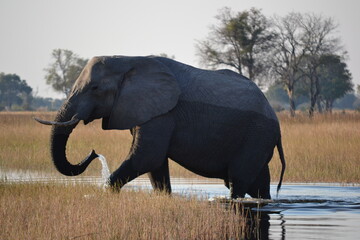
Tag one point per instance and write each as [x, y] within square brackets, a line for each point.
[30, 30]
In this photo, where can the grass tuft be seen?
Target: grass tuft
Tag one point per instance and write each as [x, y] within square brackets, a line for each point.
[322, 149]
[37, 211]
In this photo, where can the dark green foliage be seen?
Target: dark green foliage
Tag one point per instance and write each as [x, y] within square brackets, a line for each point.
[14, 93]
[335, 79]
[330, 80]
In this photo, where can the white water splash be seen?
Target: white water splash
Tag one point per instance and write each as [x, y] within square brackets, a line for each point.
[105, 172]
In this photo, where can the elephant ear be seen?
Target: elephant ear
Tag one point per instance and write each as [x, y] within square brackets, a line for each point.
[147, 90]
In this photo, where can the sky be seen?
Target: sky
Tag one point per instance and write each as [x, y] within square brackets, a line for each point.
[30, 30]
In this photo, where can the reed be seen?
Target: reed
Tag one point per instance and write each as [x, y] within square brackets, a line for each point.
[36, 211]
[322, 149]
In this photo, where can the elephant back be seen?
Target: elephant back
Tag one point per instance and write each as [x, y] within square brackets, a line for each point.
[222, 88]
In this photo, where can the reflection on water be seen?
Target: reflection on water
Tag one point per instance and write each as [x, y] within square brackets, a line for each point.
[302, 211]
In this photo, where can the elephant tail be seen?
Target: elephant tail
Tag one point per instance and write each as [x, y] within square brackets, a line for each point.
[283, 163]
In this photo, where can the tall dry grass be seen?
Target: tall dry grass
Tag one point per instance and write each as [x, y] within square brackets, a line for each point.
[322, 149]
[24, 145]
[325, 148]
[36, 211]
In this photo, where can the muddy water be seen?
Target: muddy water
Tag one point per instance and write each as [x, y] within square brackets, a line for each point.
[302, 211]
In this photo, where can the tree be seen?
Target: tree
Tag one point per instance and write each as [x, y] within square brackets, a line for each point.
[301, 41]
[64, 70]
[288, 53]
[317, 39]
[14, 91]
[238, 42]
[334, 78]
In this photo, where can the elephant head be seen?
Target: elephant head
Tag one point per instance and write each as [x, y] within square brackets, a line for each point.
[124, 91]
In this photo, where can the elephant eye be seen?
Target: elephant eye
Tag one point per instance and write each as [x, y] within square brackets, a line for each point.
[93, 88]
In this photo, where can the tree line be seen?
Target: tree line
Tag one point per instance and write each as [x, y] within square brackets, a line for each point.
[299, 53]
[296, 55]
[17, 95]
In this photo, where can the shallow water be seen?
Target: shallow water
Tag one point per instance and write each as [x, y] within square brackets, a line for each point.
[302, 211]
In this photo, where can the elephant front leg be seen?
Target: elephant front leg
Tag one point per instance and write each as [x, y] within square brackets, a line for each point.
[261, 187]
[148, 154]
[124, 174]
[160, 178]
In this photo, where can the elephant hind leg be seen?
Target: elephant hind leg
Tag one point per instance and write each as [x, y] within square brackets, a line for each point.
[249, 173]
[243, 173]
[261, 187]
[160, 178]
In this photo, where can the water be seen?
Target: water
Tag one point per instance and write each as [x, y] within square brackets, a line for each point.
[302, 211]
[105, 172]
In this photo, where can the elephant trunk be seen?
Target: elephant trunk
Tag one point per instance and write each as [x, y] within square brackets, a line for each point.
[59, 137]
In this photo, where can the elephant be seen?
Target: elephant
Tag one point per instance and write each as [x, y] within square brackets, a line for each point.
[217, 124]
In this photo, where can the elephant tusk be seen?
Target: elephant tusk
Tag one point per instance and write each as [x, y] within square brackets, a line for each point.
[73, 121]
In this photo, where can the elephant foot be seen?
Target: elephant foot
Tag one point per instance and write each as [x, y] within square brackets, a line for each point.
[114, 187]
[124, 174]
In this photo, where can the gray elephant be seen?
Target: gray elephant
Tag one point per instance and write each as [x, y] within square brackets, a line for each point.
[217, 124]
